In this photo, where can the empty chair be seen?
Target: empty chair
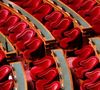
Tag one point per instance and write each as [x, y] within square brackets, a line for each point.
[34, 48]
[13, 32]
[93, 15]
[46, 77]
[8, 24]
[42, 11]
[92, 76]
[3, 16]
[31, 5]
[96, 27]
[7, 85]
[66, 1]
[2, 55]
[18, 2]
[86, 65]
[82, 54]
[62, 26]
[75, 4]
[40, 66]
[91, 82]
[49, 74]
[53, 19]
[93, 86]
[5, 70]
[24, 38]
[86, 7]
[70, 36]
[55, 85]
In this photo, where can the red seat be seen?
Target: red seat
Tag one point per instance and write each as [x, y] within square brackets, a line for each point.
[5, 70]
[42, 11]
[40, 85]
[70, 36]
[96, 27]
[24, 38]
[93, 15]
[47, 77]
[86, 7]
[93, 86]
[40, 66]
[31, 5]
[49, 74]
[7, 85]
[91, 83]
[62, 26]
[75, 4]
[93, 76]
[83, 54]
[2, 55]
[19, 2]
[53, 19]
[11, 21]
[66, 1]
[13, 32]
[3, 16]
[33, 48]
[86, 65]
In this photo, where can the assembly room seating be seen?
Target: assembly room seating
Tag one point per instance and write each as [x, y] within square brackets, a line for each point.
[54, 49]
[5, 71]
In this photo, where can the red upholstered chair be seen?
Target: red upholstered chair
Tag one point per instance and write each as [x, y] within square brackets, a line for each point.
[40, 66]
[62, 26]
[13, 32]
[47, 77]
[91, 82]
[31, 5]
[19, 2]
[93, 76]
[2, 55]
[49, 74]
[75, 4]
[93, 86]
[42, 11]
[24, 38]
[86, 65]
[53, 19]
[93, 15]
[5, 70]
[83, 54]
[3, 16]
[70, 36]
[7, 85]
[96, 27]
[66, 1]
[8, 24]
[86, 7]
[33, 48]
[52, 86]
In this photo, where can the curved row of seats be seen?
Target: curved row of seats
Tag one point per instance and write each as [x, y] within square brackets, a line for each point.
[5, 70]
[62, 29]
[43, 72]
[45, 75]
[60, 26]
[86, 67]
[19, 33]
[88, 9]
